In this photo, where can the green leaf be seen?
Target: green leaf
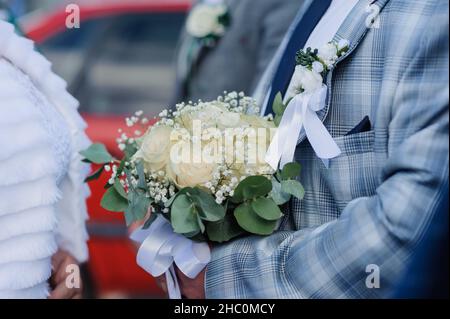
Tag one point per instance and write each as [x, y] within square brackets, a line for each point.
[96, 175]
[193, 234]
[97, 153]
[200, 224]
[252, 187]
[129, 217]
[142, 184]
[278, 196]
[251, 222]
[266, 209]
[291, 171]
[183, 215]
[137, 207]
[119, 188]
[130, 150]
[224, 230]
[256, 186]
[209, 210]
[171, 200]
[277, 120]
[278, 105]
[121, 167]
[113, 201]
[293, 187]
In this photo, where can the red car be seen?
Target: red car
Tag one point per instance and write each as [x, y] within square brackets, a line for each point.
[119, 61]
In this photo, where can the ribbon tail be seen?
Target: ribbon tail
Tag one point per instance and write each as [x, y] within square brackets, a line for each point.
[296, 126]
[319, 137]
[291, 121]
[173, 288]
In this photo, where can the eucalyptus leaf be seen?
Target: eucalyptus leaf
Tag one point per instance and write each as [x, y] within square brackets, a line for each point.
[137, 207]
[130, 150]
[209, 210]
[252, 187]
[97, 154]
[193, 234]
[251, 222]
[142, 184]
[278, 196]
[291, 171]
[183, 215]
[170, 201]
[119, 188]
[113, 201]
[277, 120]
[200, 224]
[293, 187]
[266, 209]
[278, 105]
[96, 175]
[129, 217]
[224, 230]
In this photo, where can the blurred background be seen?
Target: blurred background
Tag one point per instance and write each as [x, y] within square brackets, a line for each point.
[121, 60]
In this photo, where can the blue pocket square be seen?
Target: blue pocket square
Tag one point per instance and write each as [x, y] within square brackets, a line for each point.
[363, 126]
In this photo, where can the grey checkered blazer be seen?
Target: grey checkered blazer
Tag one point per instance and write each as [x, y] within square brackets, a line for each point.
[376, 200]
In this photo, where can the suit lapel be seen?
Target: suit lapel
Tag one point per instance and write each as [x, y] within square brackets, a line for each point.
[354, 28]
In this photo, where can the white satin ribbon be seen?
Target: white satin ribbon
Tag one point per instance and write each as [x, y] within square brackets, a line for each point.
[161, 248]
[300, 114]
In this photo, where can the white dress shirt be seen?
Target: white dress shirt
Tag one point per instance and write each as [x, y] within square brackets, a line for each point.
[323, 33]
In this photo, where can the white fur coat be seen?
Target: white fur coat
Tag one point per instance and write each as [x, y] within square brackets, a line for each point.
[39, 211]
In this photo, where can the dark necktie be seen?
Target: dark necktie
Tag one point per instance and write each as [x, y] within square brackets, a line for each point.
[298, 40]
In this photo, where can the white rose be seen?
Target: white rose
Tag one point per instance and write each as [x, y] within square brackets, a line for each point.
[257, 121]
[203, 21]
[328, 53]
[155, 148]
[317, 67]
[185, 172]
[217, 115]
[229, 120]
[310, 80]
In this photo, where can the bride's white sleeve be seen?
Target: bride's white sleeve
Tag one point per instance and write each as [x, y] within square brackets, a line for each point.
[72, 210]
[28, 192]
[36, 214]
[72, 193]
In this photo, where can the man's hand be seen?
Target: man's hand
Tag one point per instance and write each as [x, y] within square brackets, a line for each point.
[60, 261]
[190, 288]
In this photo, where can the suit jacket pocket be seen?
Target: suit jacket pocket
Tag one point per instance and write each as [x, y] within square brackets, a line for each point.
[356, 143]
[354, 173]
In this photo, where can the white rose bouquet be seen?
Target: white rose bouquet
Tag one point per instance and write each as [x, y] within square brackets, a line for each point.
[202, 168]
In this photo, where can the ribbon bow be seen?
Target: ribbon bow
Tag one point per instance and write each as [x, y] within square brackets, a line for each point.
[161, 247]
[301, 114]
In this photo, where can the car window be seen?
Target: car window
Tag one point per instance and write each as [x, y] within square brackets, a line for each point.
[120, 64]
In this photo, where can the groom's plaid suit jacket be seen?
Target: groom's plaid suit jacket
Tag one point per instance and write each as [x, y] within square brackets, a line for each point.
[374, 202]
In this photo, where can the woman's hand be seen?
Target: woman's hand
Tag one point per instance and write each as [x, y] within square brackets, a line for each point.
[60, 263]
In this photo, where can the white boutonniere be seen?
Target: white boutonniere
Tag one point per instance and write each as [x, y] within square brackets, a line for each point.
[314, 64]
[305, 97]
[208, 22]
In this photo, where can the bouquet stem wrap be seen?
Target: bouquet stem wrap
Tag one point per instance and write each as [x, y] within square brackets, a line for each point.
[301, 114]
[161, 249]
